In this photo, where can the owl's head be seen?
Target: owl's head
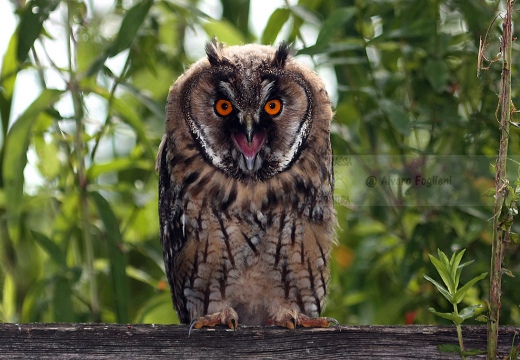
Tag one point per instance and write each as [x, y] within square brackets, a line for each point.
[249, 109]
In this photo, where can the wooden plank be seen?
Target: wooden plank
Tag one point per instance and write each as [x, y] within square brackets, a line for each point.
[95, 341]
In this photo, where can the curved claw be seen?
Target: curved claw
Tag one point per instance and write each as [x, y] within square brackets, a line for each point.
[291, 320]
[336, 322]
[192, 324]
[227, 316]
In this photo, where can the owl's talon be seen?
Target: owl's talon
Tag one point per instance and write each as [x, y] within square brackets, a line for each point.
[291, 321]
[228, 317]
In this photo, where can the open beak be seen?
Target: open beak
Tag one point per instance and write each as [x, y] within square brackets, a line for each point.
[249, 141]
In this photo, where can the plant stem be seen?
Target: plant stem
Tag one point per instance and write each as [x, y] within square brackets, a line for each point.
[80, 169]
[500, 180]
[459, 333]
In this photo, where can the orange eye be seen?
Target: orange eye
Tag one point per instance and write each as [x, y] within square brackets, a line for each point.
[223, 107]
[273, 107]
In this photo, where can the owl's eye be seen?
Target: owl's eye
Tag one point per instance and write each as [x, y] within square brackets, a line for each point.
[223, 107]
[273, 107]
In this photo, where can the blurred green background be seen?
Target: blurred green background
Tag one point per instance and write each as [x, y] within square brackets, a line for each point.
[79, 235]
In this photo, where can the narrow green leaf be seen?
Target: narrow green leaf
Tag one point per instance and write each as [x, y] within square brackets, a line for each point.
[306, 15]
[154, 106]
[9, 299]
[443, 257]
[32, 18]
[439, 287]
[455, 318]
[333, 23]
[275, 23]
[132, 21]
[224, 31]
[50, 247]
[7, 80]
[329, 28]
[456, 270]
[459, 295]
[130, 117]
[475, 352]
[449, 348]
[63, 307]
[117, 165]
[443, 269]
[117, 260]
[15, 157]
[141, 275]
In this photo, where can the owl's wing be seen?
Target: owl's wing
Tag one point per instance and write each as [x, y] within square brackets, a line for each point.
[172, 224]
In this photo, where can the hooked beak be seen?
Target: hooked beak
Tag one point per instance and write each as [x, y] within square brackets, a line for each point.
[249, 141]
[248, 125]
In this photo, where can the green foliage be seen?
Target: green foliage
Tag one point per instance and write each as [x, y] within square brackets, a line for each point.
[78, 191]
[450, 271]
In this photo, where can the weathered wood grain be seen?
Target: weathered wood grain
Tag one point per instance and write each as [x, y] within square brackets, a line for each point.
[95, 341]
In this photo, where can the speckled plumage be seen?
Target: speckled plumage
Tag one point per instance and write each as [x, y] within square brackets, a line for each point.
[247, 230]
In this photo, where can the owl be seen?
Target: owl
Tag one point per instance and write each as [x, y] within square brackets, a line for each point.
[246, 190]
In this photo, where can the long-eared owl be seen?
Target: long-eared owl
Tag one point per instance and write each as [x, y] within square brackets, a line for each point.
[246, 190]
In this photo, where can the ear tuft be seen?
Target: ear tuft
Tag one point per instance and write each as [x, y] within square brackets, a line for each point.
[281, 54]
[214, 52]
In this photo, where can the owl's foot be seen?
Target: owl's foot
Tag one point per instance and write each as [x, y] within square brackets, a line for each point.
[228, 316]
[291, 320]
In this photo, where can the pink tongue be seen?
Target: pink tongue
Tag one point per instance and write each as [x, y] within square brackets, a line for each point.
[249, 151]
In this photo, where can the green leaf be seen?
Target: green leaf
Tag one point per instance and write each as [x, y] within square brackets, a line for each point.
[7, 80]
[132, 21]
[117, 260]
[224, 31]
[397, 115]
[443, 268]
[482, 318]
[329, 29]
[456, 270]
[333, 23]
[32, 18]
[129, 116]
[469, 311]
[459, 295]
[63, 307]
[474, 352]
[437, 73]
[50, 247]
[439, 287]
[117, 165]
[15, 156]
[449, 348]
[450, 316]
[275, 23]
[9, 299]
